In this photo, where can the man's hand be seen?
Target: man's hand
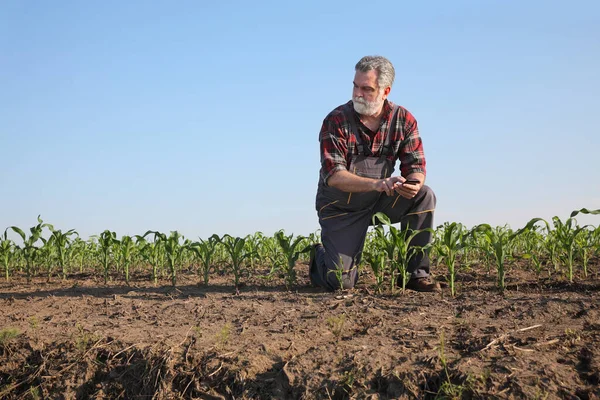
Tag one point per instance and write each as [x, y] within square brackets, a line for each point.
[408, 189]
[388, 185]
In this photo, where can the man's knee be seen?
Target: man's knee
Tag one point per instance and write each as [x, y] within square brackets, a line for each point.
[428, 198]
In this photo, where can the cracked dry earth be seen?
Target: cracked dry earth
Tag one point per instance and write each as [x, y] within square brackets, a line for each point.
[80, 339]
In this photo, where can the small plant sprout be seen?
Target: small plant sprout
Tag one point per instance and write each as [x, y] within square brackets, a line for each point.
[238, 253]
[288, 245]
[397, 243]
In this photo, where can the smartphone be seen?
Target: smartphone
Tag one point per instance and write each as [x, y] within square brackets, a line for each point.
[412, 182]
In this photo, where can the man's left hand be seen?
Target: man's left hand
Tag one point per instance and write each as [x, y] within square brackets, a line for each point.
[408, 190]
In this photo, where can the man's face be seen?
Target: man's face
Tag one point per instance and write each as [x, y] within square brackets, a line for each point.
[367, 96]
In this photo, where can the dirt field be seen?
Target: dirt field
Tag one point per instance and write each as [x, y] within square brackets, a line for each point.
[81, 339]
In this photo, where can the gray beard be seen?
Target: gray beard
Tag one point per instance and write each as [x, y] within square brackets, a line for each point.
[368, 108]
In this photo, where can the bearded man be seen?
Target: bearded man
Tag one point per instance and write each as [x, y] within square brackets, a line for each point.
[360, 143]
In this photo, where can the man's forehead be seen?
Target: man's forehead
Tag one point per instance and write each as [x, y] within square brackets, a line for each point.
[366, 78]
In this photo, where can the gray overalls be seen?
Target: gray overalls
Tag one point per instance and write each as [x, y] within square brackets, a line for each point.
[345, 217]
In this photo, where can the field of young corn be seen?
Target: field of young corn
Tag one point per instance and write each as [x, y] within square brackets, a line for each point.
[552, 248]
[518, 315]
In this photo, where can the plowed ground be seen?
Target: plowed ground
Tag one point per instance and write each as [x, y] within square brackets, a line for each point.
[79, 339]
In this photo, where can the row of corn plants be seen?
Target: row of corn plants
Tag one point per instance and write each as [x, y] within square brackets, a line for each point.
[559, 244]
[47, 250]
[553, 247]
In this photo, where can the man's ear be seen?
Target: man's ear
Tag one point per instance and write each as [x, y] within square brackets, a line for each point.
[386, 92]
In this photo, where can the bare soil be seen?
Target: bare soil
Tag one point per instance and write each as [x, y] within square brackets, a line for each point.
[80, 339]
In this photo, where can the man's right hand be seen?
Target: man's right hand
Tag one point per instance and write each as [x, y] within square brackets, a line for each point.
[387, 185]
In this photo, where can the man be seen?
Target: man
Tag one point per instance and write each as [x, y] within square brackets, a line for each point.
[360, 142]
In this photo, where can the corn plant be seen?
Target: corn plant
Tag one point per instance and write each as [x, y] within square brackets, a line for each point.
[174, 250]
[584, 243]
[566, 236]
[29, 249]
[451, 242]
[204, 250]
[61, 243]
[397, 246]
[534, 249]
[6, 253]
[271, 251]
[375, 256]
[339, 273]
[595, 240]
[238, 253]
[495, 243]
[127, 248]
[151, 252]
[498, 244]
[482, 249]
[78, 251]
[387, 245]
[288, 246]
[551, 245]
[106, 241]
[253, 245]
[46, 255]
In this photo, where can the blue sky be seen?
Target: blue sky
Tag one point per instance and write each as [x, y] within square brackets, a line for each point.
[204, 117]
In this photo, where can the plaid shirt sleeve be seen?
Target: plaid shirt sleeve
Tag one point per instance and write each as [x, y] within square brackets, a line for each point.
[410, 153]
[334, 143]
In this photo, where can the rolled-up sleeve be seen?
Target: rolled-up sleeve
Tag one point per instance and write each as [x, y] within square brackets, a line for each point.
[334, 147]
[410, 152]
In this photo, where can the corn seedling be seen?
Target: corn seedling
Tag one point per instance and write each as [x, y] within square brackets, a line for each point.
[397, 244]
[339, 273]
[223, 335]
[584, 243]
[81, 252]
[204, 250]
[565, 235]
[152, 253]
[106, 241]
[498, 244]
[376, 257]
[126, 248]
[533, 249]
[8, 334]
[84, 339]
[6, 253]
[29, 249]
[336, 325]
[61, 243]
[451, 242]
[288, 247]
[46, 254]
[253, 246]
[174, 250]
[237, 254]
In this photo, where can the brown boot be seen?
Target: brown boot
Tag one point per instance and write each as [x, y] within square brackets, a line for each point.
[424, 284]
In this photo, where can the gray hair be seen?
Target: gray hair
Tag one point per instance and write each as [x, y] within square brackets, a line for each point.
[381, 65]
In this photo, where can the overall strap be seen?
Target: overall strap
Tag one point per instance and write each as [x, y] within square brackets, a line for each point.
[388, 137]
[362, 149]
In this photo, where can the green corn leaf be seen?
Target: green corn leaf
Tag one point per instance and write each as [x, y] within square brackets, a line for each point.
[19, 231]
[585, 211]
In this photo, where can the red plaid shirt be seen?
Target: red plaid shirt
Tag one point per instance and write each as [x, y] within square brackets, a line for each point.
[337, 143]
